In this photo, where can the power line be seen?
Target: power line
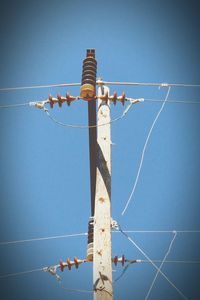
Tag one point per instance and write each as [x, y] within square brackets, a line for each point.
[150, 84]
[195, 262]
[153, 264]
[145, 100]
[38, 87]
[100, 82]
[51, 269]
[39, 270]
[43, 238]
[159, 231]
[160, 267]
[14, 105]
[143, 151]
[20, 273]
[174, 101]
[76, 290]
[85, 234]
[192, 262]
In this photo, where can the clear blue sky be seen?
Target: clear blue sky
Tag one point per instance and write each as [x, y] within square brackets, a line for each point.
[44, 168]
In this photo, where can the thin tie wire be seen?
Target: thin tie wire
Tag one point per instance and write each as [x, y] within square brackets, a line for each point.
[124, 271]
[42, 239]
[38, 87]
[153, 264]
[20, 273]
[86, 126]
[144, 149]
[160, 267]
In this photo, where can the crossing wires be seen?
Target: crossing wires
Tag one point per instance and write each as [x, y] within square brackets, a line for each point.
[60, 100]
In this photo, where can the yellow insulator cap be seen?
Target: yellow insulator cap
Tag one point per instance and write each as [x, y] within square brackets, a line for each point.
[87, 91]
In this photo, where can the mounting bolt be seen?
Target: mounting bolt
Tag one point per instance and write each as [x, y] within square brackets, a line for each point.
[101, 199]
[99, 252]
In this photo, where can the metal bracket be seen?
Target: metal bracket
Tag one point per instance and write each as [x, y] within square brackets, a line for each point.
[114, 224]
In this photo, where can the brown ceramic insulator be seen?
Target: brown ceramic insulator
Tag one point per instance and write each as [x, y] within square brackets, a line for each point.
[88, 83]
[90, 231]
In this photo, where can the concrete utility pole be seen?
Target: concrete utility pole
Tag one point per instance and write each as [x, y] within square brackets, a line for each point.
[102, 260]
[99, 228]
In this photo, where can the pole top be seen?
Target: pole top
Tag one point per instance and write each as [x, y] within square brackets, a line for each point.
[91, 53]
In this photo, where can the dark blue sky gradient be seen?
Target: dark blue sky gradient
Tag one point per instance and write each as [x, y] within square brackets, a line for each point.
[44, 168]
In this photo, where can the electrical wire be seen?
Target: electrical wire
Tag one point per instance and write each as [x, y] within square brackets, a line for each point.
[143, 151]
[85, 234]
[159, 231]
[153, 264]
[86, 126]
[122, 273]
[174, 101]
[45, 269]
[100, 82]
[146, 100]
[124, 270]
[76, 290]
[38, 87]
[20, 273]
[195, 262]
[14, 105]
[160, 267]
[43, 238]
[150, 84]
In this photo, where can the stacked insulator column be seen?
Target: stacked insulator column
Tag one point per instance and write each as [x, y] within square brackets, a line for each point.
[90, 238]
[88, 87]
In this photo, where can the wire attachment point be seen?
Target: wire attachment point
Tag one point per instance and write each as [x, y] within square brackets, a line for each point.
[38, 104]
[117, 259]
[164, 84]
[114, 224]
[53, 271]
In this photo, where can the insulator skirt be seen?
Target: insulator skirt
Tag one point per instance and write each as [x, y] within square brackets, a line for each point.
[88, 84]
[90, 231]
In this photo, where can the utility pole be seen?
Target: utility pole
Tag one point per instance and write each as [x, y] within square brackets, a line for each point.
[102, 260]
[99, 228]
